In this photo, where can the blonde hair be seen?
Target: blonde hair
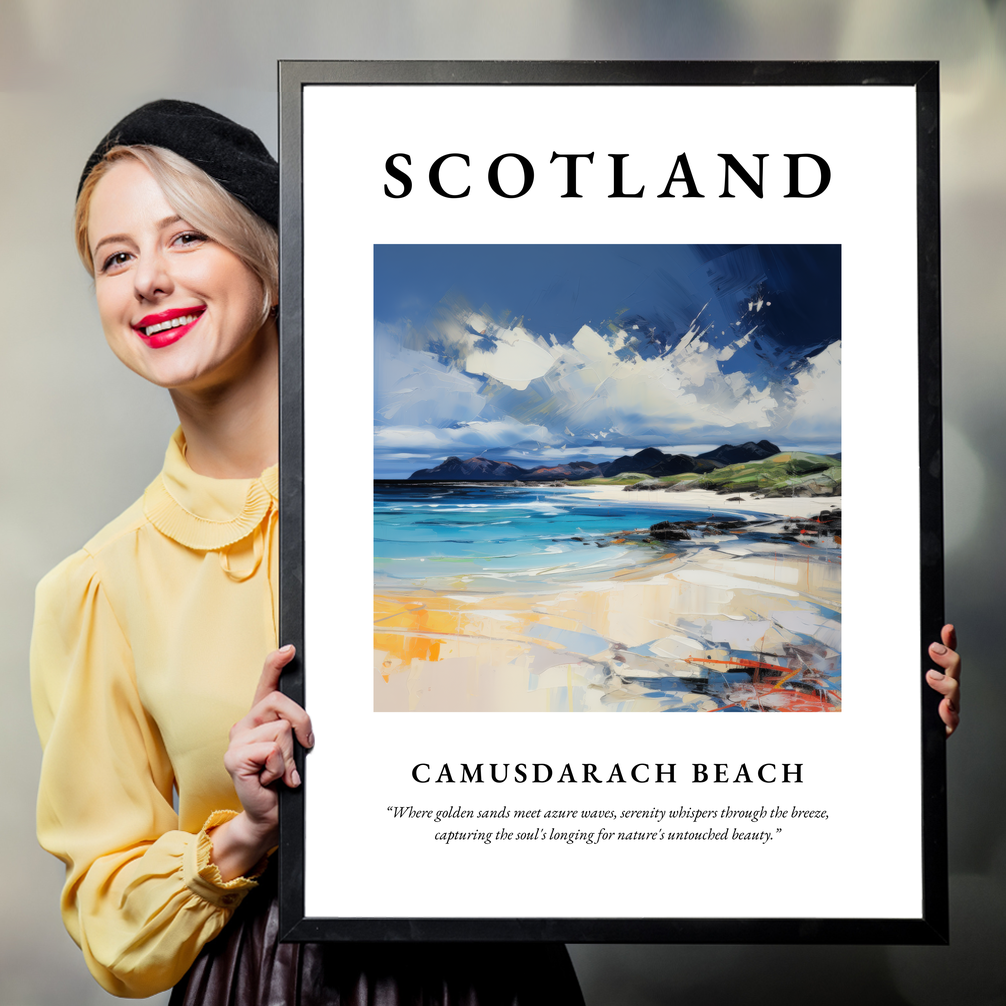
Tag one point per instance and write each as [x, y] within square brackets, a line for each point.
[199, 200]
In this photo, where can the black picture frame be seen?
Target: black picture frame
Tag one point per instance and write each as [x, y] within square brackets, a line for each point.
[931, 927]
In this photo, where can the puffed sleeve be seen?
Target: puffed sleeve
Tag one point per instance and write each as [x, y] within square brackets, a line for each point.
[141, 898]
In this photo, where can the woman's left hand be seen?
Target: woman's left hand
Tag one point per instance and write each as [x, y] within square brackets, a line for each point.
[947, 682]
[260, 754]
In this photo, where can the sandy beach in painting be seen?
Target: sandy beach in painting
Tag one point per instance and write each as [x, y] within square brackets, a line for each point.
[704, 500]
[740, 619]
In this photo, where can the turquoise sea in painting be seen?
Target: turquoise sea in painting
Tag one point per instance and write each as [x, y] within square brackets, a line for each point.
[510, 537]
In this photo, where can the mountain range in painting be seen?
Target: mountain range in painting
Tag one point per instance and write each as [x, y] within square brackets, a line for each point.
[649, 462]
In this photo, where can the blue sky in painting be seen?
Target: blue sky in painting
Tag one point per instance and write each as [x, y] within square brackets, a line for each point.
[549, 353]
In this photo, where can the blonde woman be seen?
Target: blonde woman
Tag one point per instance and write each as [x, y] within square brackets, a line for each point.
[165, 735]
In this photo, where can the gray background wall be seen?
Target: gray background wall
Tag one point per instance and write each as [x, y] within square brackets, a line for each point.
[81, 436]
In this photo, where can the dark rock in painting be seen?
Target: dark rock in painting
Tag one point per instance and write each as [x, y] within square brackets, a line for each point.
[676, 531]
[827, 524]
[647, 485]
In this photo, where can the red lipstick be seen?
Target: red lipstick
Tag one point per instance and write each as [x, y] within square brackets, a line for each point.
[166, 325]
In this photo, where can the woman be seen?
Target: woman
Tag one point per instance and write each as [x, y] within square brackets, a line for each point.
[148, 643]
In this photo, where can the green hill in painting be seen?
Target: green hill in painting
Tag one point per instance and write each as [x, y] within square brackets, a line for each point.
[789, 473]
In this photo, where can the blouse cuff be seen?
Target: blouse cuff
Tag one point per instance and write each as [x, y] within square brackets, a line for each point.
[202, 876]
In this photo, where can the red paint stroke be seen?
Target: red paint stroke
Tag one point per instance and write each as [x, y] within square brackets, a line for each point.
[795, 702]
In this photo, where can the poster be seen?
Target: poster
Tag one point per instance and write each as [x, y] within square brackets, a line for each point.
[591, 357]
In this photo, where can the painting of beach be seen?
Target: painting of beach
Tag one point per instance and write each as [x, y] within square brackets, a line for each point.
[607, 478]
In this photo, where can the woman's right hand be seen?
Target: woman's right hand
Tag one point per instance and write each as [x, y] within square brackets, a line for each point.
[948, 681]
[260, 753]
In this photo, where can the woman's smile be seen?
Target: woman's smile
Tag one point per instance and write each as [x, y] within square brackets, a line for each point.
[159, 330]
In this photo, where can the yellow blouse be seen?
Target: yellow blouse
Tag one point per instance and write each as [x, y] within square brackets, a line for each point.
[147, 647]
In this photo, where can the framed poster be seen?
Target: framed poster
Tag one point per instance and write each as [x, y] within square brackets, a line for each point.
[580, 363]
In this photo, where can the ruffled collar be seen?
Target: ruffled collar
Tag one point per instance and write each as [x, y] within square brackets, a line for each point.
[203, 513]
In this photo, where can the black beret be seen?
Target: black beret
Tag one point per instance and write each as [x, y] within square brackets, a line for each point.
[230, 154]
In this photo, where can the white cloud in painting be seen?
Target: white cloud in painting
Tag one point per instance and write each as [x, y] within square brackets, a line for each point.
[591, 346]
[516, 359]
[414, 388]
[599, 381]
[816, 413]
[467, 381]
[470, 437]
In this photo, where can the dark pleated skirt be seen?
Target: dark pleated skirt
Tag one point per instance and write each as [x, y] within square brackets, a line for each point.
[246, 965]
